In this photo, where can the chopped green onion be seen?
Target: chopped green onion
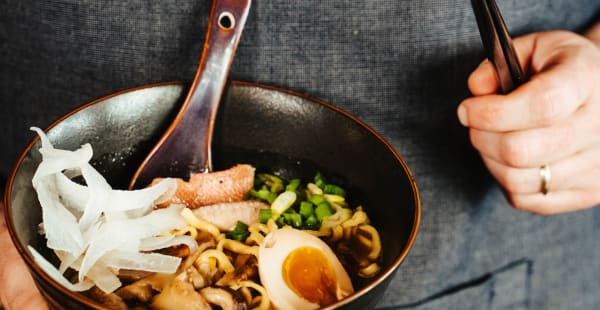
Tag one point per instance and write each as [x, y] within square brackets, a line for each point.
[263, 194]
[322, 210]
[275, 183]
[294, 219]
[334, 190]
[280, 221]
[319, 180]
[313, 189]
[312, 223]
[264, 215]
[293, 185]
[313, 205]
[240, 232]
[306, 209]
[283, 202]
[269, 178]
[317, 199]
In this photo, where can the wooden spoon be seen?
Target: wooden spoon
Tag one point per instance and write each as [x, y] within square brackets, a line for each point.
[185, 148]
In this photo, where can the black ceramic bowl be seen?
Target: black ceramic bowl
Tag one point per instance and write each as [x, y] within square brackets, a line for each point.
[273, 129]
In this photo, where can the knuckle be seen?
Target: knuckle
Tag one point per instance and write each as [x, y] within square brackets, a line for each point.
[545, 109]
[490, 114]
[562, 138]
[513, 151]
[486, 115]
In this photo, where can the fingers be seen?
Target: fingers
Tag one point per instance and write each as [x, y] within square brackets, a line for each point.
[550, 120]
[535, 147]
[484, 81]
[578, 171]
[518, 181]
[560, 83]
[530, 148]
[544, 100]
[17, 289]
[573, 183]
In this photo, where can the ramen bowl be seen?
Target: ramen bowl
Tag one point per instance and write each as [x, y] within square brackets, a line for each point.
[273, 129]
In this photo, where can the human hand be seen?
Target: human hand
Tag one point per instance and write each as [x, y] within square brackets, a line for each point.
[17, 289]
[553, 119]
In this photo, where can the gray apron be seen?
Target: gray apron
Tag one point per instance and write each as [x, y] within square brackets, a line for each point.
[401, 66]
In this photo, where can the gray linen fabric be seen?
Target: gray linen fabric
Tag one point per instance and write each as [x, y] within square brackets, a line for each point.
[401, 66]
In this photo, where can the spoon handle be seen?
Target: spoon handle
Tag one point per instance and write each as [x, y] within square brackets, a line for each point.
[185, 148]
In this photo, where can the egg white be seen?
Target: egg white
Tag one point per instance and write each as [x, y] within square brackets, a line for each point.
[276, 247]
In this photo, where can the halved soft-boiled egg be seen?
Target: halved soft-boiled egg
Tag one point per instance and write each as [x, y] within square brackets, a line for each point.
[300, 271]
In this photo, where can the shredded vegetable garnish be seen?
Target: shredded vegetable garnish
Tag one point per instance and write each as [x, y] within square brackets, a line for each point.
[96, 230]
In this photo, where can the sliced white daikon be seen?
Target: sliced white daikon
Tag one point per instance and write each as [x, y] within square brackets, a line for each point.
[57, 276]
[97, 230]
[156, 243]
[153, 262]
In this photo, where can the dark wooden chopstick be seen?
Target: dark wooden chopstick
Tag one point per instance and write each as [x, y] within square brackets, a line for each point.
[498, 44]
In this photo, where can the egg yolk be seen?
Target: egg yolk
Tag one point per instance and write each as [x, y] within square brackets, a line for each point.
[308, 273]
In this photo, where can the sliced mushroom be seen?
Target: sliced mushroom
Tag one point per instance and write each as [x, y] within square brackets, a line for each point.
[143, 290]
[110, 301]
[224, 297]
[130, 276]
[180, 295]
[246, 267]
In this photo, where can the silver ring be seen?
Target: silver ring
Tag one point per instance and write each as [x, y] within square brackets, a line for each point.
[546, 176]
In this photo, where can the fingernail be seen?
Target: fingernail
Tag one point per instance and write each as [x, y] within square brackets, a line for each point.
[462, 116]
